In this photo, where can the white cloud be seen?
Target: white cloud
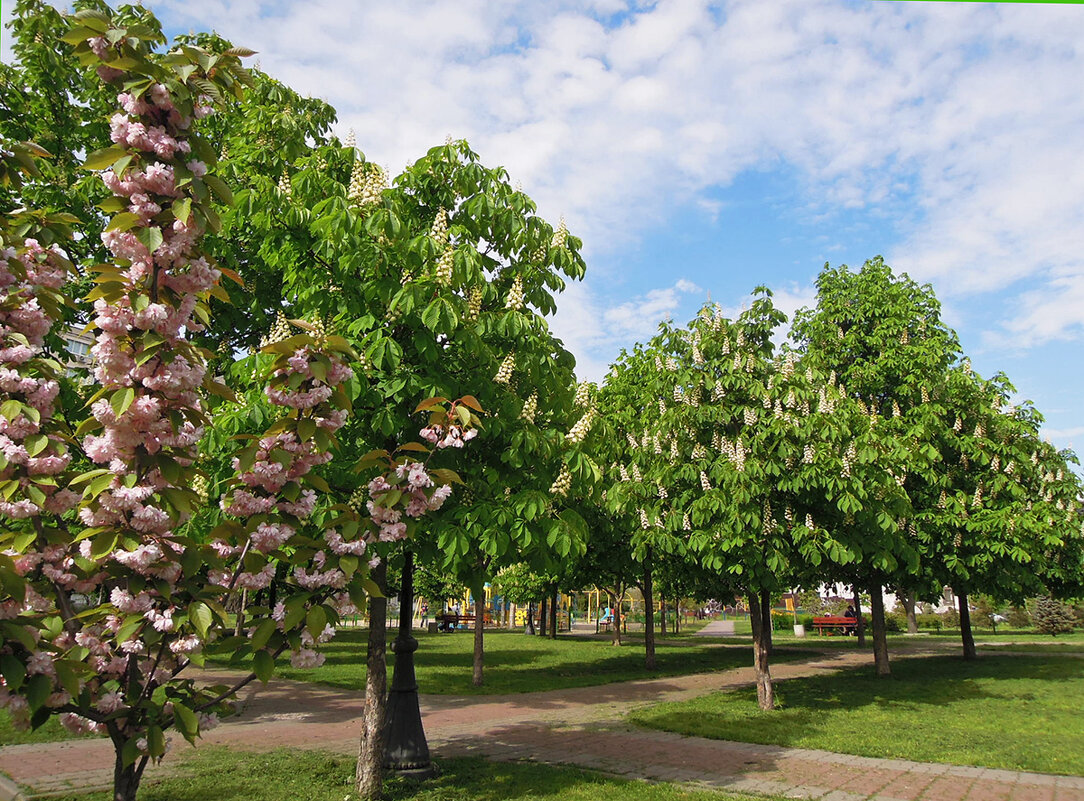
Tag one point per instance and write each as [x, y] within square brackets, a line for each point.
[595, 329]
[972, 109]
[960, 122]
[1063, 433]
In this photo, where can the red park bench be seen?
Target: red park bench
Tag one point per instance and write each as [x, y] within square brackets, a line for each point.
[833, 623]
[451, 621]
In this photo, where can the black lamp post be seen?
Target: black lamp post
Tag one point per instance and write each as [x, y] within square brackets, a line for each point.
[406, 751]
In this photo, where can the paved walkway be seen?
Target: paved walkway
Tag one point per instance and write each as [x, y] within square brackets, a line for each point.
[581, 726]
[717, 628]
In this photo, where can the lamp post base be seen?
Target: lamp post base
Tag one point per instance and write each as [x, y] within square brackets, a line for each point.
[415, 774]
[406, 752]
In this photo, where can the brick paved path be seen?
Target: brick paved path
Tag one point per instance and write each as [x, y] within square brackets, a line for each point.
[580, 726]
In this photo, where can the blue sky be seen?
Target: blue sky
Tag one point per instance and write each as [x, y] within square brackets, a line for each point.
[704, 148]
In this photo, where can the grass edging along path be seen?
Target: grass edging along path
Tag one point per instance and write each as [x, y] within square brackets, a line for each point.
[1013, 712]
[49, 732]
[517, 663]
[289, 775]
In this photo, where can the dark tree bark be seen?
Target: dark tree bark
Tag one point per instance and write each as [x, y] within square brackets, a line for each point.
[544, 608]
[965, 626]
[126, 779]
[553, 614]
[649, 616]
[766, 617]
[369, 775]
[240, 624]
[479, 637]
[908, 601]
[615, 626]
[860, 623]
[529, 628]
[762, 649]
[880, 635]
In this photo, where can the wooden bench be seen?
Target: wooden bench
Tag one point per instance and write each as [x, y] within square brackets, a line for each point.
[451, 621]
[833, 623]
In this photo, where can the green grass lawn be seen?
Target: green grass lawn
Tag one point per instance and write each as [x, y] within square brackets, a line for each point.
[50, 732]
[516, 663]
[314, 776]
[1014, 712]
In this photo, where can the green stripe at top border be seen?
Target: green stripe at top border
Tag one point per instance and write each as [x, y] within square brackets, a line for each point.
[1014, 2]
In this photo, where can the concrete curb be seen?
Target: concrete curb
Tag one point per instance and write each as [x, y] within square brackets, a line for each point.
[9, 790]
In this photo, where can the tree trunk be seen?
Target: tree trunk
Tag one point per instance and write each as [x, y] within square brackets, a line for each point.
[965, 626]
[649, 616]
[880, 636]
[615, 626]
[553, 614]
[479, 628]
[766, 617]
[529, 628]
[126, 779]
[240, 627]
[761, 651]
[544, 607]
[662, 617]
[677, 616]
[369, 776]
[908, 600]
[860, 622]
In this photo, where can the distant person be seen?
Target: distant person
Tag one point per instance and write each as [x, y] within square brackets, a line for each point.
[425, 613]
[853, 615]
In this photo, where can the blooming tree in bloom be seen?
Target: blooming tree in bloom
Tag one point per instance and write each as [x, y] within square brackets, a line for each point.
[754, 457]
[108, 595]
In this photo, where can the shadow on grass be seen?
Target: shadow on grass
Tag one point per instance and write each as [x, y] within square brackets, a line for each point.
[288, 775]
[515, 663]
[1012, 711]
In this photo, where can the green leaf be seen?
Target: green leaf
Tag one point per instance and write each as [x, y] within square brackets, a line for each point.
[14, 671]
[129, 752]
[101, 159]
[295, 612]
[150, 237]
[182, 208]
[186, 721]
[316, 621]
[124, 221]
[218, 186]
[200, 615]
[11, 409]
[263, 633]
[35, 444]
[263, 665]
[318, 482]
[128, 628]
[103, 543]
[121, 400]
[156, 741]
[37, 690]
[67, 677]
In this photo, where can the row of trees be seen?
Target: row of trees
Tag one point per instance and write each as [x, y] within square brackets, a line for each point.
[863, 451]
[252, 442]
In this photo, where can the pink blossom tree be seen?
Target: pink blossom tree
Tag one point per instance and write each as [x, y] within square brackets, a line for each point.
[107, 593]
